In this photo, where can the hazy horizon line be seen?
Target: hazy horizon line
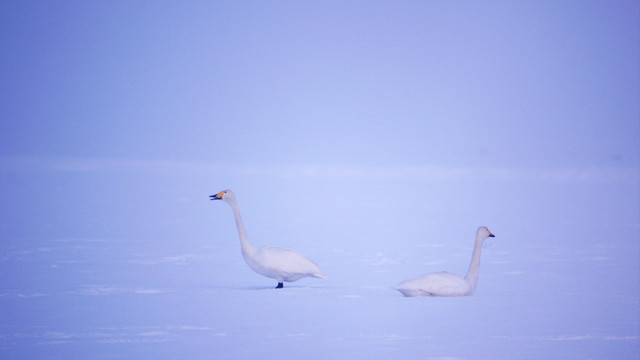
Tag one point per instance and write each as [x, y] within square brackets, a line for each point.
[590, 173]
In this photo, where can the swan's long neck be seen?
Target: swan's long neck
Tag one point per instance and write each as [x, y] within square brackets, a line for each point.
[474, 266]
[247, 248]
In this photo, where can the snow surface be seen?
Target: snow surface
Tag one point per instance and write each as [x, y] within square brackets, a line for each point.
[155, 271]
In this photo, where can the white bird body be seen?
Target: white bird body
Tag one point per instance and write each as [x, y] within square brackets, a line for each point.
[270, 261]
[435, 284]
[447, 284]
[282, 264]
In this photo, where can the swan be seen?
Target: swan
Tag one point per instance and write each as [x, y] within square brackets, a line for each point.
[447, 284]
[270, 261]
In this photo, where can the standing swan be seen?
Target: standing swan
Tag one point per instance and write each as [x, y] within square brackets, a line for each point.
[447, 284]
[273, 262]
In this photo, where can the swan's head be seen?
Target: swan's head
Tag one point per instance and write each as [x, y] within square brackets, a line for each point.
[224, 195]
[483, 233]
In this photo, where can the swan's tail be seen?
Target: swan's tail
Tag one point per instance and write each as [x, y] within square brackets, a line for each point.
[320, 275]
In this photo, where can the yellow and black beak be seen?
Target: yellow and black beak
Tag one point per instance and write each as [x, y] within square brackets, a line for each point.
[490, 234]
[217, 196]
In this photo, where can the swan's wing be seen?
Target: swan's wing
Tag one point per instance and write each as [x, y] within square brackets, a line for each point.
[436, 284]
[287, 264]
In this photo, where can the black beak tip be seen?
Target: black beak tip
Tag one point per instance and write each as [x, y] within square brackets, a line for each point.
[492, 235]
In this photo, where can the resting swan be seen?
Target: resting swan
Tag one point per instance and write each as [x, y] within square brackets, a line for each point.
[273, 262]
[447, 284]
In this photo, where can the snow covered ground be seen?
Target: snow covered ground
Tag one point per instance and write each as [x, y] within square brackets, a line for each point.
[140, 264]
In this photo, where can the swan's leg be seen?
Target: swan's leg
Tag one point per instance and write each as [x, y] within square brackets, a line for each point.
[280, 285]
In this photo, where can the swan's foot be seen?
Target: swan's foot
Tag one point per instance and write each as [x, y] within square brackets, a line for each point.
[280, 286]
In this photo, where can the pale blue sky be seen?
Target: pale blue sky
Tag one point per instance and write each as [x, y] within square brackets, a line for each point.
[489, 84]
